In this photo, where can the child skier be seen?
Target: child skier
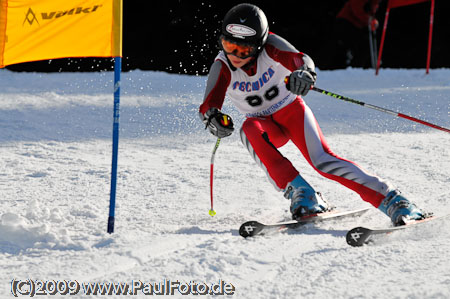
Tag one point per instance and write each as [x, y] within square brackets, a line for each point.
[251, 69]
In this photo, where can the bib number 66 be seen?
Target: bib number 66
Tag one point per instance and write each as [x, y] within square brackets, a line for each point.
[256, 100]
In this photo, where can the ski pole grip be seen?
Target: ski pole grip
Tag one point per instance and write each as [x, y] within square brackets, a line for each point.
[286, 81]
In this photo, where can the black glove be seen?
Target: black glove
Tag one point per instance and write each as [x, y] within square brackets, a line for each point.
[300, 81]
[219, 124]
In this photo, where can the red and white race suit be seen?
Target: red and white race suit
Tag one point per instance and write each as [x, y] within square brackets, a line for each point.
[275, 116]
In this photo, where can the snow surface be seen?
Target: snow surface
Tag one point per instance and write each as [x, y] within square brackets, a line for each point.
[55, 149]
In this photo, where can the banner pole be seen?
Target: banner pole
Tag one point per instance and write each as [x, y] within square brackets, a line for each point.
[115, 145]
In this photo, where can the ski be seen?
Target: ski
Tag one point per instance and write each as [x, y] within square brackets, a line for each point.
[359, 236]
[253, 228]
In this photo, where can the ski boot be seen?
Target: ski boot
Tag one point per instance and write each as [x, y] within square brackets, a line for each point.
[400, 210]
[304, 200]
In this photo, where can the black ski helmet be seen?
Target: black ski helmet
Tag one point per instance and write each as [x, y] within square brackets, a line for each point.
[246, 24]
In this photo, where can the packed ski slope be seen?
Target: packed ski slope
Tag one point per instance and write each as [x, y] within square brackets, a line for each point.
[55, 163]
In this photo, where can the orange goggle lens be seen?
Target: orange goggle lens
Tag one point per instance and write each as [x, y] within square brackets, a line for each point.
[241, 51]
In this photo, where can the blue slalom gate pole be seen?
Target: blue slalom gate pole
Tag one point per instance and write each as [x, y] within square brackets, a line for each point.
[115, 145]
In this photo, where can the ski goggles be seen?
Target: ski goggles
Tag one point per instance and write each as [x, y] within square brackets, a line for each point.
[239, 50]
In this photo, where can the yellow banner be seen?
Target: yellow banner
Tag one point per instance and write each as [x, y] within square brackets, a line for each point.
[33, 30]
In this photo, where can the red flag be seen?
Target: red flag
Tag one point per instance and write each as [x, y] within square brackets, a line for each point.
[398, 3]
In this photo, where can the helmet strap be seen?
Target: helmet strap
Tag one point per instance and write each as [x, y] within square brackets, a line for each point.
[230, 64]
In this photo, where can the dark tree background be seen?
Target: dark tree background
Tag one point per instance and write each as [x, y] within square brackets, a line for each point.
[180, 36]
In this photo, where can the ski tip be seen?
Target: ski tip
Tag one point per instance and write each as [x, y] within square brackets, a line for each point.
[358, 236]
[250, 228]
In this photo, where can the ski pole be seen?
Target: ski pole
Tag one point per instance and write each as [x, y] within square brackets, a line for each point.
[347, 99]
[211, 177]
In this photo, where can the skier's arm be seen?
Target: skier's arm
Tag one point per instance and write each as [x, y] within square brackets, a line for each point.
[303, 74]
[282, 51]
[219, 78]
